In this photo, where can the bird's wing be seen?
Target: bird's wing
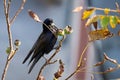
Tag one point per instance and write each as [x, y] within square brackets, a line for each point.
[32, 49]
[39, 50]
[40, 45]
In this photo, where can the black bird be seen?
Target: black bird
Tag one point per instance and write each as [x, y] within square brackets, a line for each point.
[44, 44]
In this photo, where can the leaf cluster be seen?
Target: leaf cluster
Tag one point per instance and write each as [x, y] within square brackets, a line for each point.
[105, 20]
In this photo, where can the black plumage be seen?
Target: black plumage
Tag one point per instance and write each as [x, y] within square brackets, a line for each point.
[44, 44]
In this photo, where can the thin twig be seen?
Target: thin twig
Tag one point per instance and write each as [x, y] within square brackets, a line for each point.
[18, 11]
[104, 72]
[47, 62]
[8, 7]
[110, 69]
[8, 22]
[102, 9]
[80, 62]
[82, 54]
[72, 74]
[5, 70]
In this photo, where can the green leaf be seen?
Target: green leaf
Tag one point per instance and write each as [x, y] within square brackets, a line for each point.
[61, 32]
[8, 50]
[113, 21]
[104, 21]
[68, 30]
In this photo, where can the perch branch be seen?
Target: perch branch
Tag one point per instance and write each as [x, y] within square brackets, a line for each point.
[49, 60]
[8, 22]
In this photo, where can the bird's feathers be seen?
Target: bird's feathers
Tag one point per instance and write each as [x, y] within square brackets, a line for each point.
[43, 45]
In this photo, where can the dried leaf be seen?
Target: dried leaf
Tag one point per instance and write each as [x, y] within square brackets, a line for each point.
[91, 20]
[113, 21]
[106, 11]
[77, 9]
[87, 13]
[34, 16]
[60, 70]
[99, 34]
[95, 25]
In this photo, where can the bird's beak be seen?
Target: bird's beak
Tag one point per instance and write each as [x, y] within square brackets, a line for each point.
[53, 24]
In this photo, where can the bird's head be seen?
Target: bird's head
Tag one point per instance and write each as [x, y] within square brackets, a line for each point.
[48, 23]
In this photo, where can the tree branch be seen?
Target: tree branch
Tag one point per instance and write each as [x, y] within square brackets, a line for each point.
[18, 11]
[8, 22]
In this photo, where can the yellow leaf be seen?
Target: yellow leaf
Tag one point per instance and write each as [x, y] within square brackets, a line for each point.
[87, 13]
[118, 20]
[101, 17]
[106, 11]
[113, 21]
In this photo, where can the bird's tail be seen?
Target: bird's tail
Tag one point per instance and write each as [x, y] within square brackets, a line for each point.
[29, 54]
[35, 61]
